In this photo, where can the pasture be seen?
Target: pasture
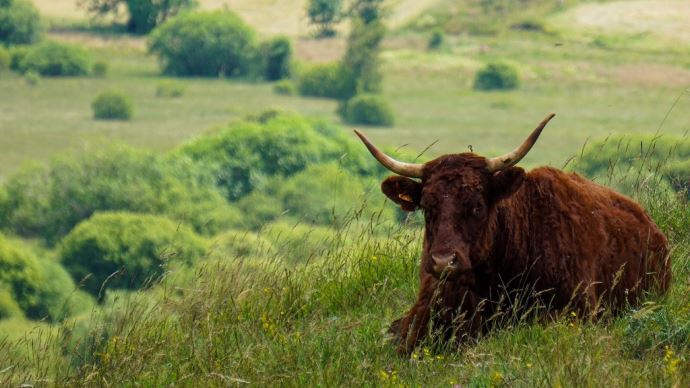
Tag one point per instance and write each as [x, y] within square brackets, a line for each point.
[308, 303]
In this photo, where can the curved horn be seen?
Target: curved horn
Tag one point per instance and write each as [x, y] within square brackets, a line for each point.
[512, 158]
[410, 170]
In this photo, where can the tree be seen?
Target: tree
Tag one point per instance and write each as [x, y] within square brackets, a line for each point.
[324, 14]
[144, 15]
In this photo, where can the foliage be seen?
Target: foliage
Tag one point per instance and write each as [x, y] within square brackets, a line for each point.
[17, 54]
[209, 44]
[5, 59]
[246, 154]
[324, 14]
[56, 59]
[20, 22]
[497, 76]
[285, 87]
[100, 69]
[47, 202]
[112, 105]
[126, 250]
[239, 244]
[9, 308]
[144, 15]
[368, 109]
[170, 89]
[32, 78]
[276, 55]
[361, 62]
[436, 39]
[323, 80]
[299, 243]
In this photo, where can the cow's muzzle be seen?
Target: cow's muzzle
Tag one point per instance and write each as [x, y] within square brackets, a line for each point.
[444, 263]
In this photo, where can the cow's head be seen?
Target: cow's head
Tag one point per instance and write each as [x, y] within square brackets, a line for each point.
[458, 194]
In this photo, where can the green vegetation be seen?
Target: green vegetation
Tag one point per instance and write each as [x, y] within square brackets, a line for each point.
[52, 59]
[323, 80]
[170, 89]
[324, 14]
[20, 22]
[368, 109]
[209, 44]
[285, 87]
[100, 69]
[436, 39]
[112, 105]
[125, 250]
[497, 76]
[276, 56]
[5, 59]
[143, 15]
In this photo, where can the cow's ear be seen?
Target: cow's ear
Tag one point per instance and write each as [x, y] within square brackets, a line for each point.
[403, 191]
[506, 182]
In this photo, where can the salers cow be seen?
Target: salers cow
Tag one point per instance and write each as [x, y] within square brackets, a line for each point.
[577, 245]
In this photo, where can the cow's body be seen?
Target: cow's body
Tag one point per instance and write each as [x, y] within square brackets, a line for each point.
[494, 232]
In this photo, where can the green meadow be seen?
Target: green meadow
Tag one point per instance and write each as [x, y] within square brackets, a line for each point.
[276, 260]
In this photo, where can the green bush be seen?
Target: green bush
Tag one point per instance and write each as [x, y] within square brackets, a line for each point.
[144, 15]
[324, 14]
[368, 109]
[209, 44]
[436, 39]
[497, 76]
[239, 244]
[48, 201]
[5, 59]
[20, 22]
[276, 55]
[285, 87]
[17, 55]
[9, 308]
[170, 89]
[297, 243]
[260, 208]
[138, 245]
[246, 154]
[32, 78]
[56, 59]
[100, 69]
[112, 105]
[325, 80]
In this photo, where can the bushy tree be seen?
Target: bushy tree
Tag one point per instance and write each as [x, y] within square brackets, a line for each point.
[324, 80]
[19, 22]
[144, 15]
[48, 201]
[276, 55]
[325, 14]
[209, 44]
[112, 105]
[497, 76]
[136, 245]
[368, 109]
[53, 59]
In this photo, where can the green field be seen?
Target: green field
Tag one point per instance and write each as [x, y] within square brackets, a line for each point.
[605, 68]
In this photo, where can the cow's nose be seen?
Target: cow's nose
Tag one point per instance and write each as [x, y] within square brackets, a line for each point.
[443, 262]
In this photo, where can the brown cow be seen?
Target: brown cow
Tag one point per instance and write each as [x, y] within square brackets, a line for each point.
[576, 244]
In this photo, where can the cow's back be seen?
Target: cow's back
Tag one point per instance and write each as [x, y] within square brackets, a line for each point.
[584, 241]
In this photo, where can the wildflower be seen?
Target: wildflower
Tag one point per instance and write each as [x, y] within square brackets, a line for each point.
[529, 365]
[427, 352]
[671, 361]
[496, 377]
[374, 258]
[439, 357]
[415, 355]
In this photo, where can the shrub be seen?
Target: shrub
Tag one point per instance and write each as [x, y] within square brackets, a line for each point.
[239, 244]
[436, 39]
[367, 109]
[32, 78]
[139, 245]
[276, 55]
[361, 60]
[210, 44]
[56, 59]
[285, 87]
[5, 59]
[144, 15]
[19, 22]
[324, 14]
[244, 155]
[170, 89]
[9, 308]
[298, 243]
[324, 80]
[112, 105]
[497, 76]
[100, 69]
[17, 55]
[260, 208]
[48, 201]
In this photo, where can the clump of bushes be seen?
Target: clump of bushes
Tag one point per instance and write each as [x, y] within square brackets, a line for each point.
[323, 80]
[137, 246]
[210, 44]
[298, 243]
[112, 105]
[285, 87]
[436, 39]
[20, 22]
[170, 89]
[48, 201]
[239, 244]
[54, 59]
[368, 109]
[276, 55]
[17, 55]
[246, 154]
[497, 76]
[5, 58]
[32, 78]
[144, 15]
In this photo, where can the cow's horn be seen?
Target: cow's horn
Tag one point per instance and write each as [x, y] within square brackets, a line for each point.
[512, 158]
[411, 170]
